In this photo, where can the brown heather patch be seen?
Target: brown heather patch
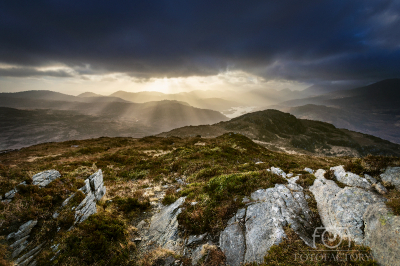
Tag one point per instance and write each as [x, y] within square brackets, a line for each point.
[220, 174]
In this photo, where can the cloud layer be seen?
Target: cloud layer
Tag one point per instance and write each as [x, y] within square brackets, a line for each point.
[305, 41]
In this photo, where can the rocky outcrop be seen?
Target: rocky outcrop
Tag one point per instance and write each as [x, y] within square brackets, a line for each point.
[349, 178]
[382, 234]
[342, 210]
[94, 190]
[20, 238]
[253, 230]
[44, 178]
[163, 229]
[391, 176]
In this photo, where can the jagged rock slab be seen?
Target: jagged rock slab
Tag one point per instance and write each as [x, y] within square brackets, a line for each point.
[382, 234]
[232, 240]
[342, 210]
[44, 178]
[163, 229]
[94, 190]
[23, 230]
[97, 185]
[391, 176]
[29, 256]
[252, 231]
[349, 178]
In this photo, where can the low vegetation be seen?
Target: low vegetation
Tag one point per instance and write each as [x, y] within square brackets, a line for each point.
[214, 174]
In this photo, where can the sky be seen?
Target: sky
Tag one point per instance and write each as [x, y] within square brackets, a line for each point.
[181, 45]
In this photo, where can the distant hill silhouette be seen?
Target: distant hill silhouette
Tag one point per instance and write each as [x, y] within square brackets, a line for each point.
[284, 131]
[372, 109]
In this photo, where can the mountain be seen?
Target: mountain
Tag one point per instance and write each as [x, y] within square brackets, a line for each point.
[90, 94]
[22, 128]
[372, 109]
[52, 120]
[195, 99]
[283, 131]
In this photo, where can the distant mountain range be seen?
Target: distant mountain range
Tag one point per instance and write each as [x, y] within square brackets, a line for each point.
[107, 113]
[372, 109]
[282, 131]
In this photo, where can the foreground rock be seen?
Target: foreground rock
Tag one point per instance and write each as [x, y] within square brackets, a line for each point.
[382, 234]
[253, 230]
[349, 178]
[93, 190]
[163, 230]
[342, 208]
[44, 178]
[391, 176]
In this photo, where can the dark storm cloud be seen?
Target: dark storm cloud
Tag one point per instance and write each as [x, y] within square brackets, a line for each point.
[299, 40]
[31, 72]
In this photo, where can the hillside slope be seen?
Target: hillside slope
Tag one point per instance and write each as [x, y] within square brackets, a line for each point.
[283, 131]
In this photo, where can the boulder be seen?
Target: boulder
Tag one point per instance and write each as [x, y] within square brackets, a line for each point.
[163, 230]
[97, 185]
[94, 189]
[253, 230]
[382, 234]
[391, 176]
[349, 178]
[23, 230]
[44, 178]
[342, 210]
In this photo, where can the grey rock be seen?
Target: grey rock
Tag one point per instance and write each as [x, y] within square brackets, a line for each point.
[349, 178]
[382, 234]
[6, 201]
[29, 256]
[163, 229]
[44, 178]
[21, 247]
[194, 239]
[342, 210]
[11, 194]
[381, 189]
[391, 176]
[97, 185]
[197, 254]
[55, 215]
[18, 242]
[252, 231]
[232, 242]
[278, 171]
[33, 263]
[311, 171]
[86, 208]
[370, 179]
[23, 230]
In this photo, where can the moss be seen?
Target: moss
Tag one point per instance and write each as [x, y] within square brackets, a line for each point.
[100, 240]
[170, 197]
[354, 166]
[4, 253]
[220, 198]
[306, 180]
[128, 205]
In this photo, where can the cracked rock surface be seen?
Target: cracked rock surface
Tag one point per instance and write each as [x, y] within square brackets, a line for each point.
[44, 178]
[341, 208]
[253, 230]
